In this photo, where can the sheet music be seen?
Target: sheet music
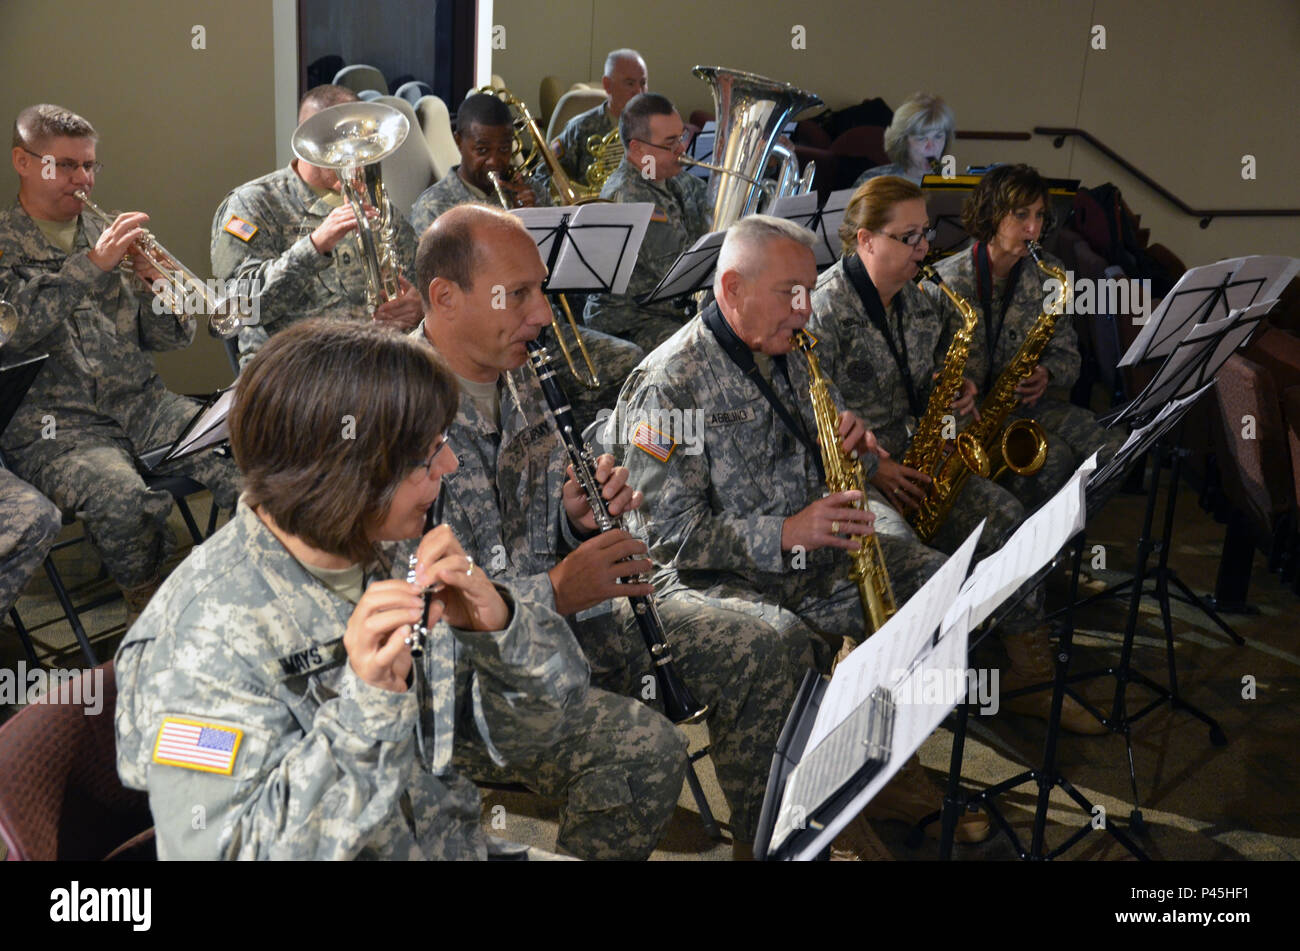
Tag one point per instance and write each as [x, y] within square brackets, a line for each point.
[803, 210]
[603, 239]
[1196, 298]
[1142, 438]
[208, 430]
[1033, 545]
[896, 646]
[1196, 359]
[914, 720]
[691, 271]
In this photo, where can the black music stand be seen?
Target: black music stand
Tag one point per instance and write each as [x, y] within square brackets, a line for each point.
[691, 272]
[822, 220]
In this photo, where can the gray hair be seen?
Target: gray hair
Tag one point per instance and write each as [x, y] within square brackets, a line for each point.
[617, 56]
[37, 124]
[918, 114]
[753, 233]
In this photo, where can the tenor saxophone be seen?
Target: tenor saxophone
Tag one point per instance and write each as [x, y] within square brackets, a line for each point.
[930, 452]
[842, 475]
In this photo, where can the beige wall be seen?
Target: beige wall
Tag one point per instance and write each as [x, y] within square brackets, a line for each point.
[178, 127]
[1182, 90]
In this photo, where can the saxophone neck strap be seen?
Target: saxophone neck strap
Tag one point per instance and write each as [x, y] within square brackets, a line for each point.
[984, 286]
[875, 307]
[740, 354]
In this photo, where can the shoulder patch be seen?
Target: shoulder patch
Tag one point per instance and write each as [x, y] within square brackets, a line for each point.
[650, 440]
[240, 228]
[659, 215]
[190, 744]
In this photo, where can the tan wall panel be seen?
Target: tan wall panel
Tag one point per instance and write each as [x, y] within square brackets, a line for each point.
[178, 127]
[1182, 91]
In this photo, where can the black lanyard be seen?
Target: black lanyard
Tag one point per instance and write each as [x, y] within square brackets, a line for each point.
[875, 307]
[743, 358]
[984, 286]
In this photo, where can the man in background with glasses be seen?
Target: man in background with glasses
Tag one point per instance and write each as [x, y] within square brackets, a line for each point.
[99, 401]
[653, 139]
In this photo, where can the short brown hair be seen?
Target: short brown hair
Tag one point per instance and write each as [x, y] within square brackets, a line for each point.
[322, 97]
[446, 248]
[872, 205]
[998, 194]
[328, 419]
[634, 122]
[38, 124]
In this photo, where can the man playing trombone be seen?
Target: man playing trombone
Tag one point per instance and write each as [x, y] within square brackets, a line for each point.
[291, 236]
[99, 402]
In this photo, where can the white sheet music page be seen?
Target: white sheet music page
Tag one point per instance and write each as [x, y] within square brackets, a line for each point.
[896, 646]
[1188, 302]
[1033, 545]
[918, 710]
[1141, 438]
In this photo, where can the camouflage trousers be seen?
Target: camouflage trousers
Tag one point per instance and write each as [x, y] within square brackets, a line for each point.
[734, 662]
[29, 524]
[646, 329]
[92, 473]
[617, 771]
[613, 358]
[1073, 434]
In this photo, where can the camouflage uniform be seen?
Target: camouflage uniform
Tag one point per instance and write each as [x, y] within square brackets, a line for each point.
[574, 156]
[504, 505]
[1073, 432]
[242, 637]
[681, 215]
[98, 402]
[613, 358]
[452, 190]
[29, 523]
[294, 281]
[853, 353]
[714, 517]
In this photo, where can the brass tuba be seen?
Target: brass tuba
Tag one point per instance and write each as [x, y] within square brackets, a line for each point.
[353, 138]
[842, 475]
[751, 111]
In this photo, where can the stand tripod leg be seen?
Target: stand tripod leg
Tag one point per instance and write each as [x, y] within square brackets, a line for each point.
[1192, 598]
[952, 801]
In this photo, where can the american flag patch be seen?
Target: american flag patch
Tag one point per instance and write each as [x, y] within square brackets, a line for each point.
[240, 228]
[648, 439]
[202, 746]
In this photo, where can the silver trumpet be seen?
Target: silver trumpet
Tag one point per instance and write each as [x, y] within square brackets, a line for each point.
[352, 138]
[179, 285]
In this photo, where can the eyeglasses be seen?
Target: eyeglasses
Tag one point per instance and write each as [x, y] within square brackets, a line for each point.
[682, 140]
[70, 166]
[913, 238]
[427, 464]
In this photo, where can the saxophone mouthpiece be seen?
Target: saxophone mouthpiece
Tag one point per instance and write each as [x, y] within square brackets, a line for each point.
[1035, 251]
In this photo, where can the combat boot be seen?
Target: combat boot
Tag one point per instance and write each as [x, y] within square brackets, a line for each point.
[1032, 663]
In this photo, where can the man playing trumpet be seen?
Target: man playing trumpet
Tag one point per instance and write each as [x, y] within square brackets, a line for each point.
[99, 402]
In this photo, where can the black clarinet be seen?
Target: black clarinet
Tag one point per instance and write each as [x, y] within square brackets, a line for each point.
[419, 635]
[679, 704]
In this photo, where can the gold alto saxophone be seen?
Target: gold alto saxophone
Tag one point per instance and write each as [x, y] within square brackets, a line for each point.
[842, 475]
[929, 452]
[1022, 445]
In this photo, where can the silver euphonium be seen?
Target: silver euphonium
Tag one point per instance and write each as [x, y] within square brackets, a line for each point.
[352, 138]
[751, 111]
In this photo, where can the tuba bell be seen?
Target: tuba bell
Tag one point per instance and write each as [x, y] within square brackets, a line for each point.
[352, 138]
[752, 110]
